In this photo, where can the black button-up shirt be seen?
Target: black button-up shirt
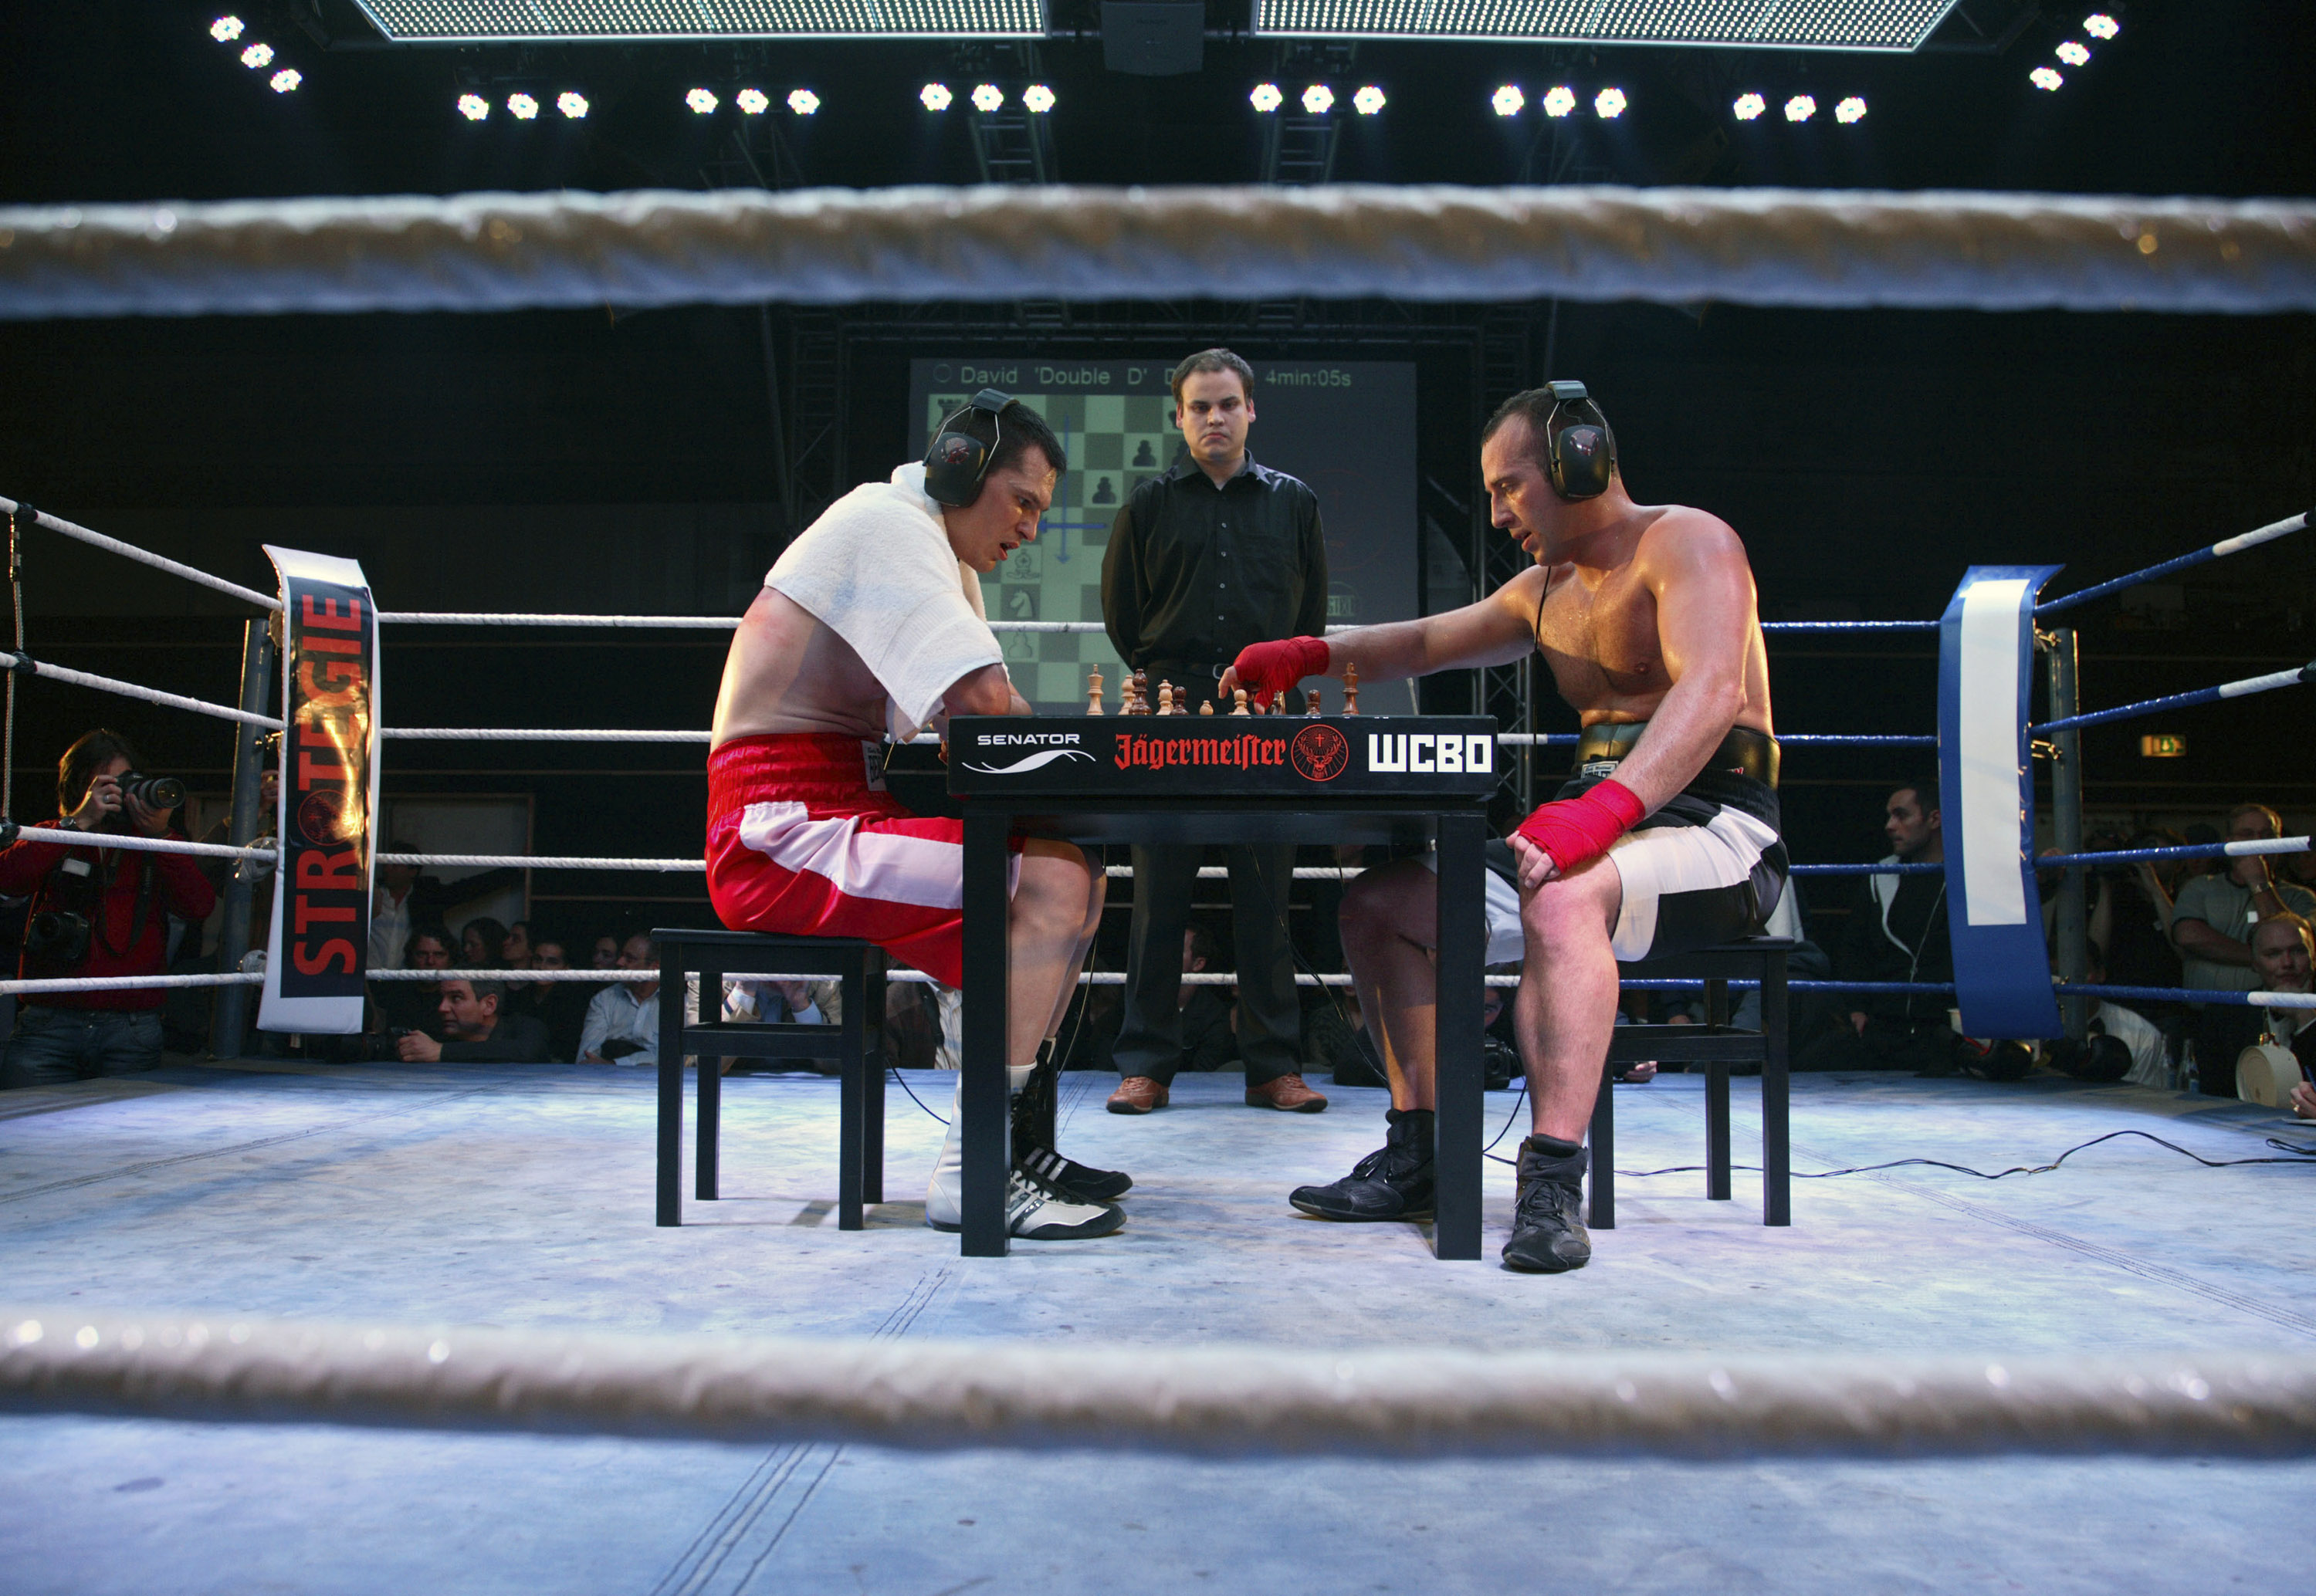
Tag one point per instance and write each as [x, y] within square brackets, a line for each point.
[1194, 573]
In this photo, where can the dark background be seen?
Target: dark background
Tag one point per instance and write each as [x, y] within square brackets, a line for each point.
[657, 462]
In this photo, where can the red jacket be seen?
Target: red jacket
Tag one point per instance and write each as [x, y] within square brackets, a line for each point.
[179, 889]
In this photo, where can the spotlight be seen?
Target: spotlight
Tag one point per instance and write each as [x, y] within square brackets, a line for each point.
[2098, 25]
[1852, 109]
[257, 56]
[1749, 107]
[1266, 98]
[1037, 99]
[474, 107]
[2043, 77]
[701, 100]
[573, 106]
[1507, 100]
[523, 107]
[987, 97]
[751, 101]
[1368, 101]
[934, 96]
[1559, 102]
[1608, 104]
[2073, 54]
[803, 101]
[226, 29]
[286, 81]
[1318, 99]
[1799, 109]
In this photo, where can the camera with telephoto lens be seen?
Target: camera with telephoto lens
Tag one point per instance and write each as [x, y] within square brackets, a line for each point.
[163, 792]
[56, 942]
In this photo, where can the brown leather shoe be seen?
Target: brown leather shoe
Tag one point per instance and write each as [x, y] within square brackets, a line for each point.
[1286, 1093]
[1137, 1095]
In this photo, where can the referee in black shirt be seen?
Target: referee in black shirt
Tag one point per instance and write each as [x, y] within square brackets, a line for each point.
[1215, 554]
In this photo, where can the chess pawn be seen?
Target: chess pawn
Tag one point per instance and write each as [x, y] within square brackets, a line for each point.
[1313, 700]
[1238, 697]
[1207, 709]
[1350, 689]
[1141, 692]
[1093, 694]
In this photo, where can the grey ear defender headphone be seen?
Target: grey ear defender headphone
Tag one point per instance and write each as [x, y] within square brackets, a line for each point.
[958, 459]
[1579, 455]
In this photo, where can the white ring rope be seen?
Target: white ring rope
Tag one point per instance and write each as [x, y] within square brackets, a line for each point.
[129, 551]
[106, 684]
[539, 862]
[1214, 1401]
[496, 251]
[144, 845]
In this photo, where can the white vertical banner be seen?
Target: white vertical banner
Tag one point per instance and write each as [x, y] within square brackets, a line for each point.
[318, 948]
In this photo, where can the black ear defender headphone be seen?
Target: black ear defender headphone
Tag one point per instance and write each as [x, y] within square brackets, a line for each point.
[1579, 457]
[958, 459]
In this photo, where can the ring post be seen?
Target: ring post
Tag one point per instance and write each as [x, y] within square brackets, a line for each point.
[2060, 666]
[229, 1023]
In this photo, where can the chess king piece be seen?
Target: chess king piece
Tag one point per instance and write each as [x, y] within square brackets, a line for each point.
[1350, 689]
[1093, 694]
[1239, 706]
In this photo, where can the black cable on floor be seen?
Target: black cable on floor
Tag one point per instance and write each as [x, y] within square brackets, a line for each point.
[2300, 1154]
[1060, 1047]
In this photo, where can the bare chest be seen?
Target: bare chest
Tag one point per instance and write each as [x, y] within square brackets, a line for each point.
[1601, 643]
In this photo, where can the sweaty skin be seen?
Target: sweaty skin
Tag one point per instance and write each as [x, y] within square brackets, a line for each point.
[788, 672]
[1643, 613]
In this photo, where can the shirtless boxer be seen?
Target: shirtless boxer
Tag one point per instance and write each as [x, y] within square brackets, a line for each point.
[872, 620]
[1664, 839]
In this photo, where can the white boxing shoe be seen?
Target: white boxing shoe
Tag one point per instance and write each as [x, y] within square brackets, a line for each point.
[1034, 1210]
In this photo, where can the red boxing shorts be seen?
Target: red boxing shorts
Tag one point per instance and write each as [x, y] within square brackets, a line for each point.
[800, 844]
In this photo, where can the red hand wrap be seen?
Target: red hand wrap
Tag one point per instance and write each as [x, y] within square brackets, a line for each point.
[1267, 668]
[1578, 829]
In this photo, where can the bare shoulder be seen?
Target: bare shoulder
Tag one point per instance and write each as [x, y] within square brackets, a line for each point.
[1684, 540]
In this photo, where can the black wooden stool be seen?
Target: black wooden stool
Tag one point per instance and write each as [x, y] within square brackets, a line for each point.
[1715, 1044]
[857, 1043]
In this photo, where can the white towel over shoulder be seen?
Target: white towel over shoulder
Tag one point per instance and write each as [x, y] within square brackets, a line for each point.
[878, 569]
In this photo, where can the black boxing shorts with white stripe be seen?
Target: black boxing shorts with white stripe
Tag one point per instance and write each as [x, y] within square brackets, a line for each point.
[1707, 868]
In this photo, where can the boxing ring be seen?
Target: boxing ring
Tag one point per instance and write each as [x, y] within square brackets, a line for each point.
[1768, 247]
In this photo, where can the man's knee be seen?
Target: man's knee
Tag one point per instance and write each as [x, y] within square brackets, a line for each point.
[1580, 908]
[1375, 904]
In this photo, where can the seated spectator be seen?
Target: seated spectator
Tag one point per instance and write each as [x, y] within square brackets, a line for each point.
[414, 1005]
[481, 943]
[474, 1030]
[559, 1005]
[517, 948]
[1897, 933]
[783, 1003]
[2131, 912]
[605, 954]
[95, 911]
[2281, 950]
[1209, 1041]
[2211, 926]
[622, 1024]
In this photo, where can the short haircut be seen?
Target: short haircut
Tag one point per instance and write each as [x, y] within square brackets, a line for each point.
[1924, 789]
[1535, 407]
[482, 989]
[1020, 430]
[1202, 944]
[79, 765]
[2275, 820]
[1213, 360]
[441, 933]
[2307, 933]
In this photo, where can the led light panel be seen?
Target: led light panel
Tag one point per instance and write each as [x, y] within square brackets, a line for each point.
[1760, 24]
[482, 20]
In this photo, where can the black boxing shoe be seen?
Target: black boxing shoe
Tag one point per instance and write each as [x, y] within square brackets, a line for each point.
[1548, 1234]
[1036, 1107]
[1394, 1181]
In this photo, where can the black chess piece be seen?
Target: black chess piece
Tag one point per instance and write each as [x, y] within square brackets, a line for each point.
[1104, 493]
[1142, 455]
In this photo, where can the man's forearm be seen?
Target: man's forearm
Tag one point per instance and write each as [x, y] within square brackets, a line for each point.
[2199, 940]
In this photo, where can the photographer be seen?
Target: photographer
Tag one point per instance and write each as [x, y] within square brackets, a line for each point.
[475, 1031]
[98, 911]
